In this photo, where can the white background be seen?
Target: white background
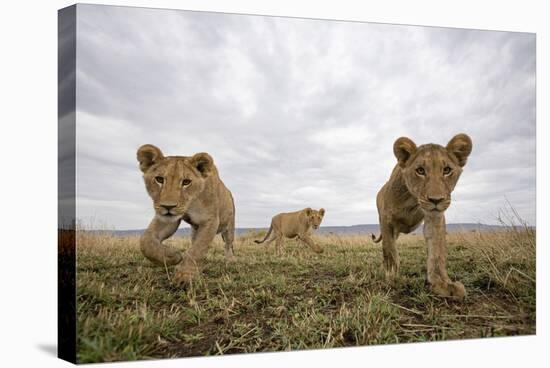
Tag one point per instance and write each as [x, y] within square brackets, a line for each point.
[28, 108]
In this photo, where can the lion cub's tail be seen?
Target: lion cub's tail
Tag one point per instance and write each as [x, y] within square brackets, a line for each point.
[266, 236]
[374, 238]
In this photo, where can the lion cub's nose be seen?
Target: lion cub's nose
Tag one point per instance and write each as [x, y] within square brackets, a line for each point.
[168, 207]
[436, 200]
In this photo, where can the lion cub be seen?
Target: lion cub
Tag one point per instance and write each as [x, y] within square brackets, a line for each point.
[419, 190]
[188, 189]
[294, 225]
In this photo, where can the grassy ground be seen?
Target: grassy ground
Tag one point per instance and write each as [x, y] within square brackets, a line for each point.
[128, 309]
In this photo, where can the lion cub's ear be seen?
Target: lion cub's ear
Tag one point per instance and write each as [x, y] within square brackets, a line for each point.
[308, 211]
[148, 155]
[203, 162]
[403, 148]
[460, 146]
[322, 211]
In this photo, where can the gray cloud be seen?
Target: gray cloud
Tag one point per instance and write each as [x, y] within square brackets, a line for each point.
[298, 112]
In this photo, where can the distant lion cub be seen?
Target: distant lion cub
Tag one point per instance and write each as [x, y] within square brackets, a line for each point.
[419, 189]
[294, 225]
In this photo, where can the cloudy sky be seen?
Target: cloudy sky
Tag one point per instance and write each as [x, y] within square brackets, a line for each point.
[297, 112]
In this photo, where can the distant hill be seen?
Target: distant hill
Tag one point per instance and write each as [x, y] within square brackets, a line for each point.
[342, 230]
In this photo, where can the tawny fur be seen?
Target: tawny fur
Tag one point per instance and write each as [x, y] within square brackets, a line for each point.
[419, 189]
[185, 189]
[294, 225]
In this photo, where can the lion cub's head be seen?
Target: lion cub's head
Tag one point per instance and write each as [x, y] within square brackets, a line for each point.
[173, 182]
[431, 171]
[315, 217]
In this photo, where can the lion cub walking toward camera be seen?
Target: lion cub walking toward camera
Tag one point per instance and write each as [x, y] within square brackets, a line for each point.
[419, 189]
[188, 189]
[294, 225]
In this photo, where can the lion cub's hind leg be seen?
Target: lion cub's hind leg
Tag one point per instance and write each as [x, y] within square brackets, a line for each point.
[228, 237]
[389, 249]
[278, 243]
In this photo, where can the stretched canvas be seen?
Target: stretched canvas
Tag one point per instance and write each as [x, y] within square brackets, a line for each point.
[236, 184]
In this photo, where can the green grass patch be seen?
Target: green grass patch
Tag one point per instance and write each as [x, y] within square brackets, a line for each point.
[128, 309]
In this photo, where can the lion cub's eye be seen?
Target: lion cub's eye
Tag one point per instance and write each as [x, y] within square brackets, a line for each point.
[186, 182]
[447, 170]
[159, 179]
[421, 171]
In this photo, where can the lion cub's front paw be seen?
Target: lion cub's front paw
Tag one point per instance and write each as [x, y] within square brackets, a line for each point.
[173, 258]
[186, 272]
[391, 273]
[457, 290]
[229, 256]
[454, 290]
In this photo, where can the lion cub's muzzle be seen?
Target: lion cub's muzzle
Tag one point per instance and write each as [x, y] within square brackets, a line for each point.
[168, 211]
[434, 204]
[166, 208]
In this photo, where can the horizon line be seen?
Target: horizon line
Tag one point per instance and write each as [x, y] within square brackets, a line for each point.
[328, 226]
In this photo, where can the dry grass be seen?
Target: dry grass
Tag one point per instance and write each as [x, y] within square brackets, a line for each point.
[128, 309]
